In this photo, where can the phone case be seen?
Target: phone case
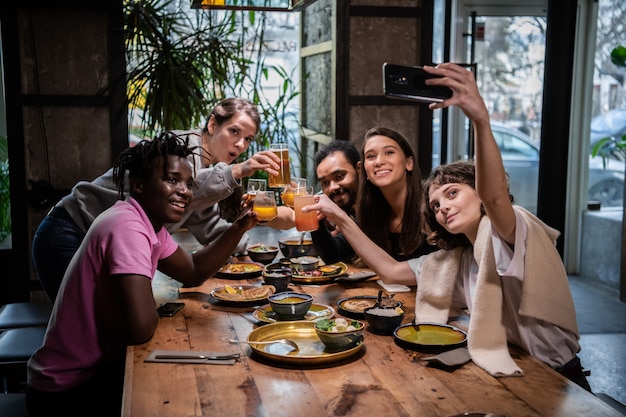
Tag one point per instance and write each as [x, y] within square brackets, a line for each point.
[169, 309]
[406, 82]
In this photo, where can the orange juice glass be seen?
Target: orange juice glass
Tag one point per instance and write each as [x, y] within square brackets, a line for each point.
[287, 197]
[265, 206]
[287, 194]
[284, 173]
[265, 214]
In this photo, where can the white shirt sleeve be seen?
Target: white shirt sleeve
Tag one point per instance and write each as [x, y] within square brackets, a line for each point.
[416, 265]
[510, 261]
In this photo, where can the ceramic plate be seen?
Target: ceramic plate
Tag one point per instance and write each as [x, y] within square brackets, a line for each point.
[355, 306]
[320, 277]
[257, 296]
[317, 311]
[429, 337]
[311, 349]
[240, 270]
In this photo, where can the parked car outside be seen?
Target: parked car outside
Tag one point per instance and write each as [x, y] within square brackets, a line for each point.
[520, 156]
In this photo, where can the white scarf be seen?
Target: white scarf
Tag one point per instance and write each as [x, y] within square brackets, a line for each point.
[545, 292]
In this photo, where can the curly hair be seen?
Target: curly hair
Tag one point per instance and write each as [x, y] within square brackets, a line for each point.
[347, 148]
[459, 172]
[139, 160]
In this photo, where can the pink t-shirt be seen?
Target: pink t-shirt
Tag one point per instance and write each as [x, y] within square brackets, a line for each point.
[86, 326]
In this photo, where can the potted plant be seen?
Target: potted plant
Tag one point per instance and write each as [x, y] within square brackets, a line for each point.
[180, 63]
[613, 145]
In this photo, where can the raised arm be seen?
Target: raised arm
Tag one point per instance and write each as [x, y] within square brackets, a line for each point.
[387, 268]
[193, 270]
[491, 180]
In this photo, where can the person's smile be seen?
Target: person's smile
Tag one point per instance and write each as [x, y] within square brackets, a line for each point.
[180, 206]
[382, 172]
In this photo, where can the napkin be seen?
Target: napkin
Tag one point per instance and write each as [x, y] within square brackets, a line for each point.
[393, 288]
[451, 358]
[151, 357]
[356, 276]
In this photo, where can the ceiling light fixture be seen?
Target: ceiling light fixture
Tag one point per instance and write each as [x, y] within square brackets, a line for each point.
[259, 5]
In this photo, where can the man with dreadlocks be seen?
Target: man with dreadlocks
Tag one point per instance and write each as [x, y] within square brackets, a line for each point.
[105, 302]
[231, 127]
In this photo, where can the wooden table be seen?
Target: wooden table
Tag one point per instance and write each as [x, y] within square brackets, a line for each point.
[383, 379]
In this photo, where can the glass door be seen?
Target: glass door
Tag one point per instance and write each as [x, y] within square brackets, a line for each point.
[507, 44]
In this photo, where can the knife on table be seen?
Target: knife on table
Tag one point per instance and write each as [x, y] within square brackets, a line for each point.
[204, 357]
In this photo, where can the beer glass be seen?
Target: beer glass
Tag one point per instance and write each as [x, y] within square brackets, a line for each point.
[284, 174]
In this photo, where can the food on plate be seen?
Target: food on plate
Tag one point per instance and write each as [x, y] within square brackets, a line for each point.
[338, 325]
[245, 294]
[358, 304]
[262, 248]
[330, 269]
[315, 273]
[386, 311]
[242, 268]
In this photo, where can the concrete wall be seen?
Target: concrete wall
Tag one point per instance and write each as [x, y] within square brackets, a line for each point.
[601, 246]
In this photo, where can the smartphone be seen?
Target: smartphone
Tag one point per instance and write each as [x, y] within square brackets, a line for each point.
[405, 82]
[169, 309]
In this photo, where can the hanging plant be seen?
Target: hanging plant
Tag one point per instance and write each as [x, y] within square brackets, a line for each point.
[613, 146]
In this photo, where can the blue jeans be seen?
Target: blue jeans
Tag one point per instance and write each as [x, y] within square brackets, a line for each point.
[56, 240]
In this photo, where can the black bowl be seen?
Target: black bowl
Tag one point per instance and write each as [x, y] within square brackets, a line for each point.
[383, 320]
[429, 337]
[264, 255]
[291, 247]
[280, 279]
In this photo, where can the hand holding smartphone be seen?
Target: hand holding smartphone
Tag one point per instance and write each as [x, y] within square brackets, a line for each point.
[408, 83]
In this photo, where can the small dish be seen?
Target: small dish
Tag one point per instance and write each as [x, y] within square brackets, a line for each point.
[240, 270]
[317, 276]
[429, 337]
[291, 247]
[265, 313]
[244, 295]
[279, 278]
[261, 253]
[383, 320]
[304, 263]
[339, 334]
[290, 305]
[354, 307]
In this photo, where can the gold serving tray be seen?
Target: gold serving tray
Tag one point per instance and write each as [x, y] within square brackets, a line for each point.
[312, 350]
